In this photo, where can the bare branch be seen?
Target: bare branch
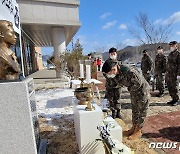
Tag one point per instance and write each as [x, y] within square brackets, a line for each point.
[152, 32]
[136, 35]
[100, 49]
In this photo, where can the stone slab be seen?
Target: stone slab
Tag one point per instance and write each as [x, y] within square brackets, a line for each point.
[18, 122]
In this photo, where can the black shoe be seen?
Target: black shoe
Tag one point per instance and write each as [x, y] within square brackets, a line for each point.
[114, 114]
[160, 94]
[175, 103]
[118, 115]
[171, 102]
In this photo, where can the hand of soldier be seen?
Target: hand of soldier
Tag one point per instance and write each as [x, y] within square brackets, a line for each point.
[178, 77]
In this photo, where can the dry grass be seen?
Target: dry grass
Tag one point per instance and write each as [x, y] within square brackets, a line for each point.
[62, 140]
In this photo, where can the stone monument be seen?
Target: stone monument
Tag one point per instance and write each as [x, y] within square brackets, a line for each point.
[19, 128]
[19, 124]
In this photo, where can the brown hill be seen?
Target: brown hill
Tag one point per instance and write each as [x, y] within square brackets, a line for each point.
[134, 53]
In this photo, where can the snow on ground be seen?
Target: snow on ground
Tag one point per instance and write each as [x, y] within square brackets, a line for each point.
[55, 111]
[54, 103]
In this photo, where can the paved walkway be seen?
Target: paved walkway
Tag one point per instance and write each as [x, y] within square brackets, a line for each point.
[164, 128]
[45, 73]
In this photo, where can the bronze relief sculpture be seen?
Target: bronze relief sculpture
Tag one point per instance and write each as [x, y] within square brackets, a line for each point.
[9, 67]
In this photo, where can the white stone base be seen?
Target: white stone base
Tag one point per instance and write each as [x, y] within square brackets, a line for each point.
[86, 123]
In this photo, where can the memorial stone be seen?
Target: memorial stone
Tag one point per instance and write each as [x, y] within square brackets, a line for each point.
[19, 122]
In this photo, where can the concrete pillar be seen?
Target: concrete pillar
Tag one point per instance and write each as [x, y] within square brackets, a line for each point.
[59, 44]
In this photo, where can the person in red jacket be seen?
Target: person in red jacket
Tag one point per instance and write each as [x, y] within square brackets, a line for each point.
[99, 62]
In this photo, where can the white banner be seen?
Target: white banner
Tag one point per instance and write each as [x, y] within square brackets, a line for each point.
[9, 11]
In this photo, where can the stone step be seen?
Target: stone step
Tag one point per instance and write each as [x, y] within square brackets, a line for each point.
[51, 83]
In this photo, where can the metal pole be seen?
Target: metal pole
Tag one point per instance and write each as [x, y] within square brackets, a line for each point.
[22, 61]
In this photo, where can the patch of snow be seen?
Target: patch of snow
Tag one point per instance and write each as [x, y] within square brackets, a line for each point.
[54, 103]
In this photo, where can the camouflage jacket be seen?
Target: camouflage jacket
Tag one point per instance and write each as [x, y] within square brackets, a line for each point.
[146, 63]
[160, 64]
[131, 78]
[173, 63]
[110, 83]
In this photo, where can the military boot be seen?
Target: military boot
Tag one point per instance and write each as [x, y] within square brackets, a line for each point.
[130, 131]
[114, 114]
[118, 115]
[136, 134]
[170, 102]
[161, 94]
[173, 102]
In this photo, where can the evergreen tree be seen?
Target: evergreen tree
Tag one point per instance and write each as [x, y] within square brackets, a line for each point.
[72, 59]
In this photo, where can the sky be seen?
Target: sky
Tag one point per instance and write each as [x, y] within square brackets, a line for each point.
[105, 23]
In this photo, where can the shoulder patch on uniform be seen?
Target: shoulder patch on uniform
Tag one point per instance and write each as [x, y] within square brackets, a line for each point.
[124, 69]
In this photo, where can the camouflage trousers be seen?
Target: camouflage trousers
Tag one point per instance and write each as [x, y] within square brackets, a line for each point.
[113, 95]
[147, 76]
[160, 82]
[172, 84]
[140, 105]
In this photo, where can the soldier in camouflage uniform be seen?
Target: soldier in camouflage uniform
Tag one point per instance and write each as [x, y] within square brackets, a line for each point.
[113, 91]
[139, 89]
[146, 66]
[160, 68]
[173, 72]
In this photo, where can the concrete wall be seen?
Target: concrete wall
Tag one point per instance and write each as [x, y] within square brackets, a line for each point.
[38, 57]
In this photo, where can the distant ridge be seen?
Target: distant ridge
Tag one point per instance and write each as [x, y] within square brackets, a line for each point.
[130, 52]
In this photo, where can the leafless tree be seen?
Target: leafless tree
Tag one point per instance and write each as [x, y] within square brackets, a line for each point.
[100, 49]
[148, 32]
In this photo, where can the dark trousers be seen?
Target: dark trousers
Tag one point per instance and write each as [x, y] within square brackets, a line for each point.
[172, 84]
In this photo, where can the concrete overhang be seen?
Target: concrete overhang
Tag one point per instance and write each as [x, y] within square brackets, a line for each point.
[38, 17]
[41, 35]
[74, 2]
